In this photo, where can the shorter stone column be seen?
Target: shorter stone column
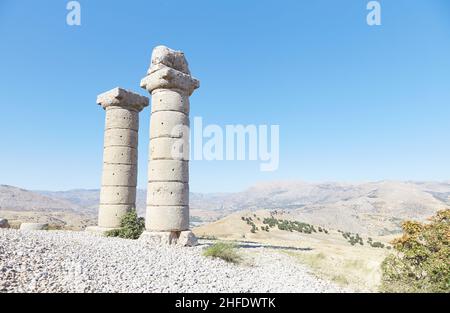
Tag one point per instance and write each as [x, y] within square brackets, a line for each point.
[119, 179]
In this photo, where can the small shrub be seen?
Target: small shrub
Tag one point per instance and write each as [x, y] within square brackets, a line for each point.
[377, 244]
[353, 238]
[224, 251]
[131, 227]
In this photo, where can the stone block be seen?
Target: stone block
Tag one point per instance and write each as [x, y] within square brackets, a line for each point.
[168, 170]
[165, 56]
[120, 155]
[117, 195]
[33, 226]
[119, 175]
[170, 100]
[167, 194]
[110, 215]
[158, 238]
[121, 118]
[120, 137]
[183, 238]
[187, 239]
[169, 148]
[167, 218]
[169, 124]
[122, 98]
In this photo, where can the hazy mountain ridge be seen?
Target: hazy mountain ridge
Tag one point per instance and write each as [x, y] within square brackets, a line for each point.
[85, 198]
[90, 198]
[17, 199]
[370, 207]
[374, 207]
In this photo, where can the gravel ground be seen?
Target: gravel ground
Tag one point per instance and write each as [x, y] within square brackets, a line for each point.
[63, 261]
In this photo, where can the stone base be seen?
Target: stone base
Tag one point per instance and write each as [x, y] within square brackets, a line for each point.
[179, 238]
[97, 230]
[33, 226]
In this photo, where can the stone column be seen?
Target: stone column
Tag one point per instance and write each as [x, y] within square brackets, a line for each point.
[170, 84]
[119, 179]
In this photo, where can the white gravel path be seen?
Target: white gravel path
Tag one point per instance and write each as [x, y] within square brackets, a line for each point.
[63, 261]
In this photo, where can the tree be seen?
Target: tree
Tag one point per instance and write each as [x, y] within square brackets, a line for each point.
[420, 261]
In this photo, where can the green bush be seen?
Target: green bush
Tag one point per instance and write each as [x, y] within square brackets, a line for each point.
[376, 244]
[421, 259]
[224, 251]
[131, 227]
[353, 238]
[270, 221]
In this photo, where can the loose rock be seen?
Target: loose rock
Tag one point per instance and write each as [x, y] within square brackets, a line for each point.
[63, 261]
[4, 223]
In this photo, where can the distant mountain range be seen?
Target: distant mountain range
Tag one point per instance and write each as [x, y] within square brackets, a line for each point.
[372, 207]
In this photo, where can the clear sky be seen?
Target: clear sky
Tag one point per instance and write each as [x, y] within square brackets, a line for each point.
[353, 102]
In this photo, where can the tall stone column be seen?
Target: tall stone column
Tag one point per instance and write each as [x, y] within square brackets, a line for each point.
[170, 84]
[119, 178]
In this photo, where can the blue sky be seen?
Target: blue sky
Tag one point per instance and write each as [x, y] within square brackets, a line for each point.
[354, 103]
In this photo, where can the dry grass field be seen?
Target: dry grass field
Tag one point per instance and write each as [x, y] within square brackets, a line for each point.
[329, 256]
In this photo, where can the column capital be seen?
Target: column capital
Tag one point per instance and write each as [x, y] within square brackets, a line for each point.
[122, 98]
[168, 78]
[169, 70]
